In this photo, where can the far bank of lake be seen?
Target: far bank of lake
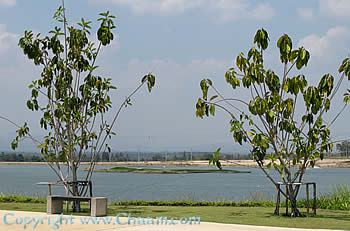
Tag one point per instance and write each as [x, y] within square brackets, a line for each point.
[326, 163]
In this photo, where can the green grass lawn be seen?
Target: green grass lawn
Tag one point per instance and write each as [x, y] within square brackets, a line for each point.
[166, 170]
[326, 219]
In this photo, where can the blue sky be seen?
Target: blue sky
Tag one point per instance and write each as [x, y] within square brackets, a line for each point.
[181, 42]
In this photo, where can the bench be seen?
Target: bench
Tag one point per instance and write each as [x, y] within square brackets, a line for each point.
[85, 187]
[98, 205]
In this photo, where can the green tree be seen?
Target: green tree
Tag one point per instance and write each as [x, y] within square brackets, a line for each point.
[72, 99]
[280, 138]
[105, 157]
[20, 158]
[344, 148]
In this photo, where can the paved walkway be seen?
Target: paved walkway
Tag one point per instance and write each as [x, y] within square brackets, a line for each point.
[43, 222]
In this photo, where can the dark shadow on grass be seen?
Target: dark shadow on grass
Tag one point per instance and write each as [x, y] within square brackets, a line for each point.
[160, 211]
[238, 214]
[338, 215]
[341, 217]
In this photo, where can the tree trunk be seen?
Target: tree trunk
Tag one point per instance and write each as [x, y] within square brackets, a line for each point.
[292, 194]
[75, 189]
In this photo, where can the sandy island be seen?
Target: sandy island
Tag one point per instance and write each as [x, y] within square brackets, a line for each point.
[326, 163]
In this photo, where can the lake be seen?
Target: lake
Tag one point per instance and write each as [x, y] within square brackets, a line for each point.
[133, 186]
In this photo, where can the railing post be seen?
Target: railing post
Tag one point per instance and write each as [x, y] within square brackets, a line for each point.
[315, 201]
[307, 198]
[287, 193]
[90, 188]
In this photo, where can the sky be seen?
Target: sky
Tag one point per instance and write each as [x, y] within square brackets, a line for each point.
[180, 42]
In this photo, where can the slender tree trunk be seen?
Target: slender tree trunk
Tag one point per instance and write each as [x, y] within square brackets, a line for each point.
[292, 194]
[75, 190]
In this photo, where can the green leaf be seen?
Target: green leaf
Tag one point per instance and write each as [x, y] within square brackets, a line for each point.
[204, 86]
[215, 159]
[14, 144]
[241, 62]
[30, 105]
[345, 67]
[213, 97]
[284, 43]
[272, 81]
[261, 39]
[326, 85]
[231, 78]
[212, 109]
[302, 58]
[346, 98]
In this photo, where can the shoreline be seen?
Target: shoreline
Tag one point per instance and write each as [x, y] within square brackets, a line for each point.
[326, 163]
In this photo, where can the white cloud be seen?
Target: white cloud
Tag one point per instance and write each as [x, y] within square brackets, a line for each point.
[155, 6]
[7, 39]
[329, 8]
[306, 13]
[7, 3]
[225, 10]
[235, 9]
[335, 39]
[263, 11]
[335, 8]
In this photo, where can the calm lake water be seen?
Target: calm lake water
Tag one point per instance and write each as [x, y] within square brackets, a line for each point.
[132, 186]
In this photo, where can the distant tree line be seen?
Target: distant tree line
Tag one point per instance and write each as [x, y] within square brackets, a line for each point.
[343, 148]
[168, 156]
[128, 156]
[14, 157]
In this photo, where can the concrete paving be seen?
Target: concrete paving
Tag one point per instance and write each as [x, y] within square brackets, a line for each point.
[19, 221]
